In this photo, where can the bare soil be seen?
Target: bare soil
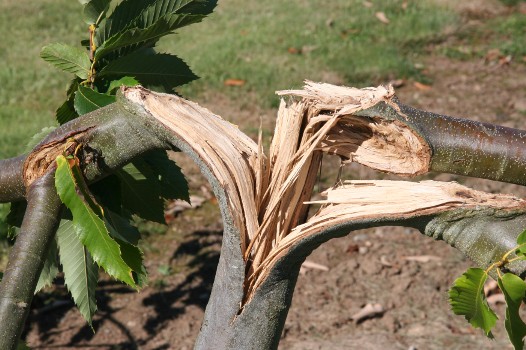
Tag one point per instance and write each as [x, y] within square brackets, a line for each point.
[372, 266]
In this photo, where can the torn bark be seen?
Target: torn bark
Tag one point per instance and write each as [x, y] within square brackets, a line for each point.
[264, 200]
[267, 235]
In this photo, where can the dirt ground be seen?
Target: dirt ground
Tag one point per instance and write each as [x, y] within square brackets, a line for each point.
[400, 269]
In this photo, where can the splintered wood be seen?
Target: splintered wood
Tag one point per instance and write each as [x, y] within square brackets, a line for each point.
[268, 198]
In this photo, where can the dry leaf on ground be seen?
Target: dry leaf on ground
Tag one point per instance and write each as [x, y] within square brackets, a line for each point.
[368, 311]
[423, 258]
[421, 86]
[382, 17]
[234, 82]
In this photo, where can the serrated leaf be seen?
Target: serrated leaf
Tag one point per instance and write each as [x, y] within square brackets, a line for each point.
[133, 36]
[141, 193]
[124, 81]
[134, 258]
[95, 10]
[132, 255]
[88, 100]
[161, 8]
[514, 290]
[50, 268]
[123, 229]
[142, 14]
[68, 58]
[164, 70]
[66, 112]
[120, 18]
[467, 298]
[173, 182]
[89, 226]
[80, 271]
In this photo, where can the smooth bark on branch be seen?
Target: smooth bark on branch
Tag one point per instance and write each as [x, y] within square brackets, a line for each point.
[11, 179]
[27, 258]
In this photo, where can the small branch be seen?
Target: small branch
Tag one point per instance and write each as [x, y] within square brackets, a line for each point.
[27, 258]
[11, 180]
[462, 146]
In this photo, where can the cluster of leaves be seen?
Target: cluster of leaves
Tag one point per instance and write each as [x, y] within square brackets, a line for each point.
[467, 298]
[97, 228]
[120, 50]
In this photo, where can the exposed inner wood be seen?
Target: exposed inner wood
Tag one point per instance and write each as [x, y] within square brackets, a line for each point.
[231, 156]
[268, 198]
[388, 146]
[43, 157]
[369, 199]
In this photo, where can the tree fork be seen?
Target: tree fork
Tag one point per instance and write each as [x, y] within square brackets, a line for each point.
[257, 324]
[248, 307]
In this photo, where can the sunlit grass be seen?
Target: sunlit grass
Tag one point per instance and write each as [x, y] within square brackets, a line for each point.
[275, 45]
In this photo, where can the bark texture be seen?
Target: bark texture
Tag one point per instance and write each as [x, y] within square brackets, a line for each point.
[264, 200]
[458, 215]
[11, 179]
[27, 258]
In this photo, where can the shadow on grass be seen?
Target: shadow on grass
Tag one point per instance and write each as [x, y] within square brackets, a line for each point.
[169, 302]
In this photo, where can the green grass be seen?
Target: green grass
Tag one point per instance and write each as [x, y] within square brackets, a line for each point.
[271, 45]
[340, 41]
[507, 34]
[30, 89]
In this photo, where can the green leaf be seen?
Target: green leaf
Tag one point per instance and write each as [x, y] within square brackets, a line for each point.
[132, 255]
[173, 182]
[123, 229]
[514, 290]
[153, 33]
[108, 193]
[161, 8]
[22, 346]
[95, 10]
[80, 271]
[144, 13]
[120, 18]
[89, 226]
[68, 58]
[124, 81]
[467, 298]
[16, 213]
[521, 242]
[50, 269]
[140, 191]
[134, 258]
[88, 100]
[164, 70]
[66, 111]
